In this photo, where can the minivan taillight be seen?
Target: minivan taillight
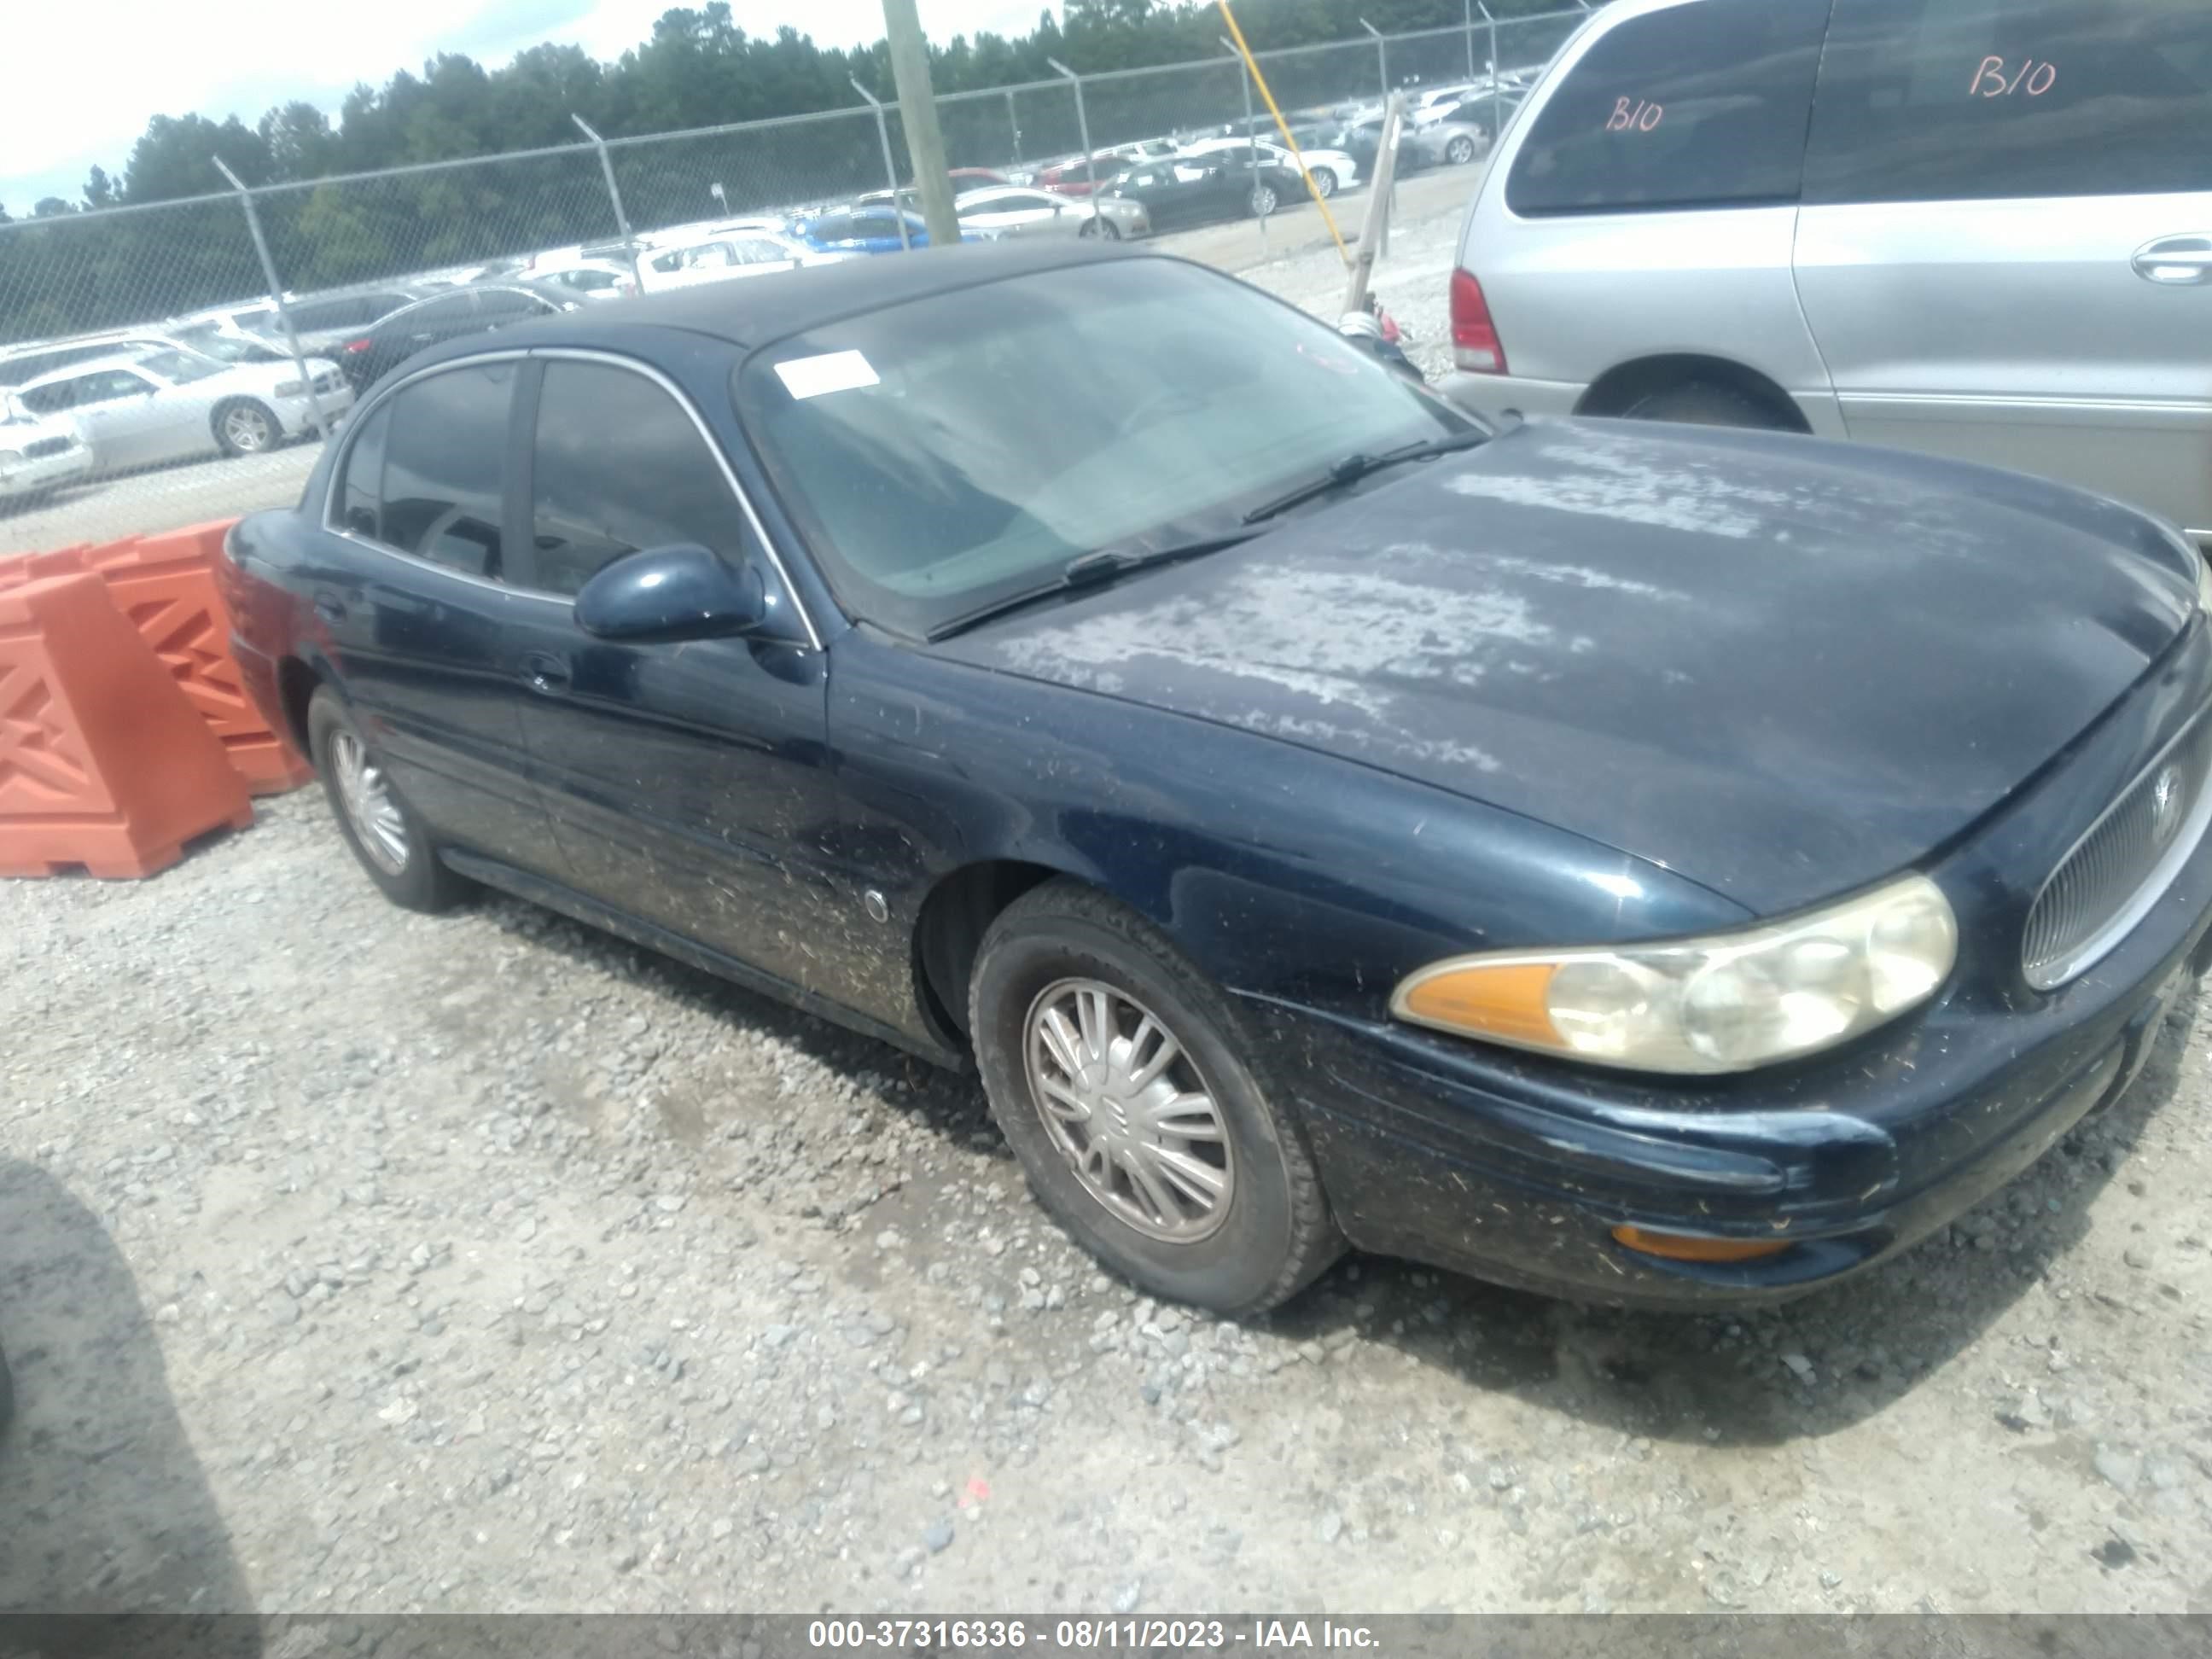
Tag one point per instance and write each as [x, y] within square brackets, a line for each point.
[1475, 344]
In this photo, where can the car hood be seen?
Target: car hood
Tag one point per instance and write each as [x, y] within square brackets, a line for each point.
[1781, 667]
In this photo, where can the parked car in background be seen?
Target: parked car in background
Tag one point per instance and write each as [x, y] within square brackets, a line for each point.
[38, 454]
[151, 407]
[1082, 175]
[718, 258]
[26, 363]
[1451, 142]
[863, 229]
[1082, 563]
[243, 319]
[588, 279]
[375, 352]
[1761, 213]
[1012, 210]
[1192, 191]
[1331, 169]
[323, 322]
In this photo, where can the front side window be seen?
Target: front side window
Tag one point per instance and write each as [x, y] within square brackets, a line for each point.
[1963, 99]
[445, 468]
[935, 459]
[181, 368]
[618, 465]
[108, 386]
[1696, 106]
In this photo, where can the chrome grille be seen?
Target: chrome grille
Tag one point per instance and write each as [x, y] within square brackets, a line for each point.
[44, 447]
[2116, 872]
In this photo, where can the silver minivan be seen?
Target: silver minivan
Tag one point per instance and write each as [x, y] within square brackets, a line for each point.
[1980, 228]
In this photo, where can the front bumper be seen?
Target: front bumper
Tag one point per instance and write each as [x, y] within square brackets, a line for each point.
[1516, 1167]
[47, 472]
[298, 414]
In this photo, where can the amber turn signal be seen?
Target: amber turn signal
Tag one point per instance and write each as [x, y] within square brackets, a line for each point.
[1687, 1247]
[1499, 999]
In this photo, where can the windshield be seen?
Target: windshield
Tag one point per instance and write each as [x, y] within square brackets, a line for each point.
[946, 452]
[180, 368]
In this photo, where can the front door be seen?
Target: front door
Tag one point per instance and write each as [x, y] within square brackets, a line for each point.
[2005, 251]
[412, 590]
[685, 781]
[128, 421]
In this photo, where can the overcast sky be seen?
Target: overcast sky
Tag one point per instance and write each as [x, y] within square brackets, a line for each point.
[87, 76]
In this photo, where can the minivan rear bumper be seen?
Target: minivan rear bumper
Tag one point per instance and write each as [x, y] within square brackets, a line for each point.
[1496, 397]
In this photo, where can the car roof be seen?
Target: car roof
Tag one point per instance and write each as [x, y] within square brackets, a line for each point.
[91, 365]
[773, 305]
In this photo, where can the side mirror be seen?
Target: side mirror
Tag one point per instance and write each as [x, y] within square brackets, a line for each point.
[677, 592]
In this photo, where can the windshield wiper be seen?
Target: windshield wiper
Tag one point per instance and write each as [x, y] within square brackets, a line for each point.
[1093, 569]
[1358, 466]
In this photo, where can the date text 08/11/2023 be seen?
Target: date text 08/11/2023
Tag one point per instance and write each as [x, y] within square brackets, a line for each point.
[1089, 1635]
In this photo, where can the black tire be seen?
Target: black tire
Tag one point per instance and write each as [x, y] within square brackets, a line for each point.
[421, 881]
[1705, 402]
[1264, 200]
[246, 426]
[1461, 150]
[1275, 1234]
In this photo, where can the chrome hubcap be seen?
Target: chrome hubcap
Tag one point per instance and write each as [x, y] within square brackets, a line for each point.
[1126, 1105]
[368, 804]
[245, 429]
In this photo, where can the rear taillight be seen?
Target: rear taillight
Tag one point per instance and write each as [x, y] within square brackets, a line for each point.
[1475, 344]
[363, 345]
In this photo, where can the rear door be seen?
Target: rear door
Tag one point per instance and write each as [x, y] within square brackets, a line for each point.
[2006, 248]
[415, 597]
[129, 420]
[684, 780]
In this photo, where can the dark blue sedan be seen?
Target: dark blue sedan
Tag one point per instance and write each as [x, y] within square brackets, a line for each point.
[1651, 865]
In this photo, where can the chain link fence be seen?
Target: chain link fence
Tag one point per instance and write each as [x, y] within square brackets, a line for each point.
[277, 292]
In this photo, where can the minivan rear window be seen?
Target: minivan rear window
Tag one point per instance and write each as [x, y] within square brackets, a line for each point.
[1698, 105]
[1973, 99]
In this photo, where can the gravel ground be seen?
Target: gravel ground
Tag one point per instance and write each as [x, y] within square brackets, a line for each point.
[352, 1260]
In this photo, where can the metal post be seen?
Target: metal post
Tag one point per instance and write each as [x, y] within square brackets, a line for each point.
[1497, 87]
[1468, 10]
[1083, 130]
[1381, 56]
[1014, 123]
[891, 166]
[1251, 126]
[614, 195]
[1375, 234]
[276, 297]
[924, 142]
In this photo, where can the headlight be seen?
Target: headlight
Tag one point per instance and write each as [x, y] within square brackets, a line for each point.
[1727, 1003]
[291, 389]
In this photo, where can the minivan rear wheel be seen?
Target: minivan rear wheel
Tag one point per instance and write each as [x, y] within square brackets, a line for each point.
[1704, 403]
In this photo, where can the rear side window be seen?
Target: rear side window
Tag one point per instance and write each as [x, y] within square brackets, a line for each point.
[1699, 104]
[445, 468]
[617, 466]
[363, 486]
[1961, 100]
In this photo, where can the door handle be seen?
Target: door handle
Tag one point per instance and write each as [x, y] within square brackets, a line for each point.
[2175, 261]
[543, 672]
[330, 607]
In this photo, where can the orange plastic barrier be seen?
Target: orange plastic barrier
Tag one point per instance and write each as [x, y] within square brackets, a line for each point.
[164, 585]
[103, 762]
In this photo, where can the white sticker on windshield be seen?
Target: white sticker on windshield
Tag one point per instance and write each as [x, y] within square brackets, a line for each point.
[833, 371]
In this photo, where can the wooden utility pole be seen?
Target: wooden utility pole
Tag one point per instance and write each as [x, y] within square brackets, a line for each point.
[1376, 231]
[925, 144]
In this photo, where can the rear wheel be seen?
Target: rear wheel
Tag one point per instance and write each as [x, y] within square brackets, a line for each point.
[1100, 225]
[387, 834]
[1324, 183]
[1705, 402]
[246, 427]
[1263, 200]
[1119, 1075]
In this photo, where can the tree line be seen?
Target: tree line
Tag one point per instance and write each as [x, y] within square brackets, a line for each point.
[75, 266]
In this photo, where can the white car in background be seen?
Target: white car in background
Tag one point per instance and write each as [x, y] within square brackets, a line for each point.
[1331, 170]
[38, 454]
[145, 408]
[1013, 210]
[22, 364]
[720, 257]
[588, 279]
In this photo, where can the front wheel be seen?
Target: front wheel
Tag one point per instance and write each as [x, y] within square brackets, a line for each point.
[1119, 1075]
[246, 427]
[1461, 150]
[1101, 226]
[1324, 183]
[1263, 200]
